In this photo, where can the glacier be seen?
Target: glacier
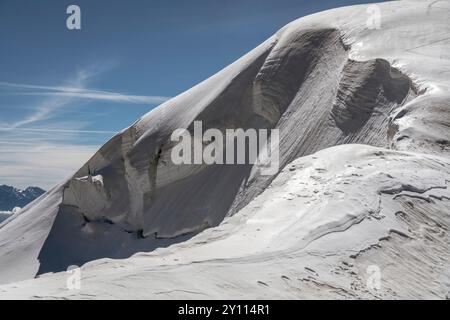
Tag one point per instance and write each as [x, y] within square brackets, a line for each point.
[364, 122]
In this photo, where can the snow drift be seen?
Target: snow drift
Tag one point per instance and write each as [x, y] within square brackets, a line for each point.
[364, 126]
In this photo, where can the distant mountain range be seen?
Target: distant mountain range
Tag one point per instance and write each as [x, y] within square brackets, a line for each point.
[11, 197]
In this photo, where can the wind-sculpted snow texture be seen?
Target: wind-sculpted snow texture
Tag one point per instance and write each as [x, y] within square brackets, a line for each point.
[364, 146]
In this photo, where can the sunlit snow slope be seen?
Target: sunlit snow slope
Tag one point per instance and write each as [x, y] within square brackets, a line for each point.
[364, 120]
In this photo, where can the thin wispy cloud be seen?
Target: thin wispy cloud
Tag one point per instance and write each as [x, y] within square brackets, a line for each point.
[58, 97]
[81, 93]
[57, 131]
[43, 111]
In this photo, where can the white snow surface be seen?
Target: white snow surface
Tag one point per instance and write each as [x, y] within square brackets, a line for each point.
[364, 119]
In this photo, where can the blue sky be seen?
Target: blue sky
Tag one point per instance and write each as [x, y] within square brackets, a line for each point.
[63, 93]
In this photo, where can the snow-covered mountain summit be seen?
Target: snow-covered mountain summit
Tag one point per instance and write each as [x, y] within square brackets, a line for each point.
[364, 119]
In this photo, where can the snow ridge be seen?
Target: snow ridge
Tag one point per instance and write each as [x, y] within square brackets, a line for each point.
[363, 184]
